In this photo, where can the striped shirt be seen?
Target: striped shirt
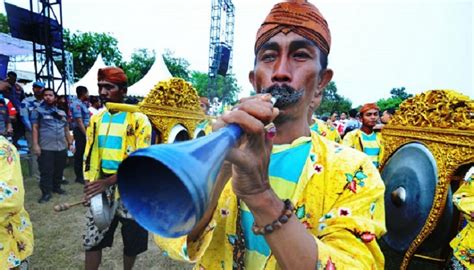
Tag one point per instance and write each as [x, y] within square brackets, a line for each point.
[112, 130]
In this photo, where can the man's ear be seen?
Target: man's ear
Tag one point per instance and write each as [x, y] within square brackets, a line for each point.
[252, 78]
[325, 79]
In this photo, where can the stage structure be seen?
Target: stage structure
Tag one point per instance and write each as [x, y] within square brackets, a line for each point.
[42, 25]
[221, 43]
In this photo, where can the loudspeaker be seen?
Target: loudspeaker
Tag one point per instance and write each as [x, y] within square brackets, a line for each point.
[224, 58]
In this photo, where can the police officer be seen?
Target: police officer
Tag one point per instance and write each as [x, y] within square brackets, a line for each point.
[27, 106]
[81, 116]
[51, 140]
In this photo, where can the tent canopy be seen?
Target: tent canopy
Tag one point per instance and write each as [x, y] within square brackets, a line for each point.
[158, 72]
[90, 79]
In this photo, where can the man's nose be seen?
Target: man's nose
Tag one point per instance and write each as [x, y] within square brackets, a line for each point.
[282, 71]
[102, 91]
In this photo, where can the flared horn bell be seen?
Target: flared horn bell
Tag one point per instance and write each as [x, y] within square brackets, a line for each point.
[167, 187]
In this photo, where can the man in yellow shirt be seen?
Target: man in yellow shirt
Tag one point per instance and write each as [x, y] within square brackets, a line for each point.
[295, 200]
[367, 139]
[111, 137]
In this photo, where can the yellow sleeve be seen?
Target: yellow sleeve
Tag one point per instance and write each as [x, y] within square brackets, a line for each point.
[143, 130]
[183, 250]
[348, 232]
[91, 169]
[349, 139]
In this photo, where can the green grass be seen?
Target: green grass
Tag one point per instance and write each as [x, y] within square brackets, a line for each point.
[58, 236]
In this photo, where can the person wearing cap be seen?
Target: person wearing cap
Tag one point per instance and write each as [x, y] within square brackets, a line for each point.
[294, 200]
[111, 137]
[27, 106]
[367, 139]
[51, 141]
[80, 115]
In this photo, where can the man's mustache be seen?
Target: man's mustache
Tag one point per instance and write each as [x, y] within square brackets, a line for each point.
[285, 94]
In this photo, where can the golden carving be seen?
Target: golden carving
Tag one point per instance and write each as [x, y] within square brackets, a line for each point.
[170, 103]
[437, 108]
[443, 121]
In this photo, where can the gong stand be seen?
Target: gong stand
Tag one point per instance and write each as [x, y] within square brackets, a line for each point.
[440, 121]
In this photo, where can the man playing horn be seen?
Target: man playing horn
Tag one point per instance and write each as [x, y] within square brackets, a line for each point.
[295, 200]
[111, 137]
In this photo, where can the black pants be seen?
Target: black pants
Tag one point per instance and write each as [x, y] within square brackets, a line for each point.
[51, 167]
[80, 143]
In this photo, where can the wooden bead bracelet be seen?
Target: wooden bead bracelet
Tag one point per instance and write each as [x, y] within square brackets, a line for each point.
[286, 213]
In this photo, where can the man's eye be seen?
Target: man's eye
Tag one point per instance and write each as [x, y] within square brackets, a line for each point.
[301, 55]
[268, 57]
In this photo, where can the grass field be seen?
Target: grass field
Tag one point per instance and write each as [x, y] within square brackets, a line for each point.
[58, 236]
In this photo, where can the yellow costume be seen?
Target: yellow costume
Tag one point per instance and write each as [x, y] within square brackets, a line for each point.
[323, 129]
[463, 243]
[338, 196]
[370, 144]
[114, 137]
[16, 232]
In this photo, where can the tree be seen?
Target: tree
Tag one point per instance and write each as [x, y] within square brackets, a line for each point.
[227, 88]
[4, 28]
[398, 96]
[140, 63]
[178, 67]
[391, 102]
[400, 93]
[332, 101]
[85, 47]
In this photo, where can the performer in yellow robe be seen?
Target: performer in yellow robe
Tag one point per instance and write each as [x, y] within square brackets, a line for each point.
[339, 202]
[16, 231]
[463, 243]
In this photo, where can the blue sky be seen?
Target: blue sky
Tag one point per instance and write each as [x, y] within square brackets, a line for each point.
[376, 45]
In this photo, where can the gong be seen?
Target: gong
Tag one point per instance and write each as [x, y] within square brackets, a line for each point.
[410, 177]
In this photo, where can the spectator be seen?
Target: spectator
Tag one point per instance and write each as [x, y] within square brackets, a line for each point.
[80, 115]
[5, 124]
[28, 105]
[16, 95]
[352, 123]
[387, 115]
[51, 139]
[95, 105]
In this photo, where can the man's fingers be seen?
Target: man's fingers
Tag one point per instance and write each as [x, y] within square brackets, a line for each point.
[248, 123]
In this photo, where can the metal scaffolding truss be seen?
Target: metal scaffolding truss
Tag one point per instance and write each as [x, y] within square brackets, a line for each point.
[221, 37]
[46, 54]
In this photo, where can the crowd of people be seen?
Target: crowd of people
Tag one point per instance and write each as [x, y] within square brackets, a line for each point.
[307, 196]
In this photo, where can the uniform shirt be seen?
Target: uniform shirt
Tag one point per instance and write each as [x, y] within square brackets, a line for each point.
[16, 232]
[338, 196]
[370, 144]
[27, 106]
[79, 109]
[51, 123]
